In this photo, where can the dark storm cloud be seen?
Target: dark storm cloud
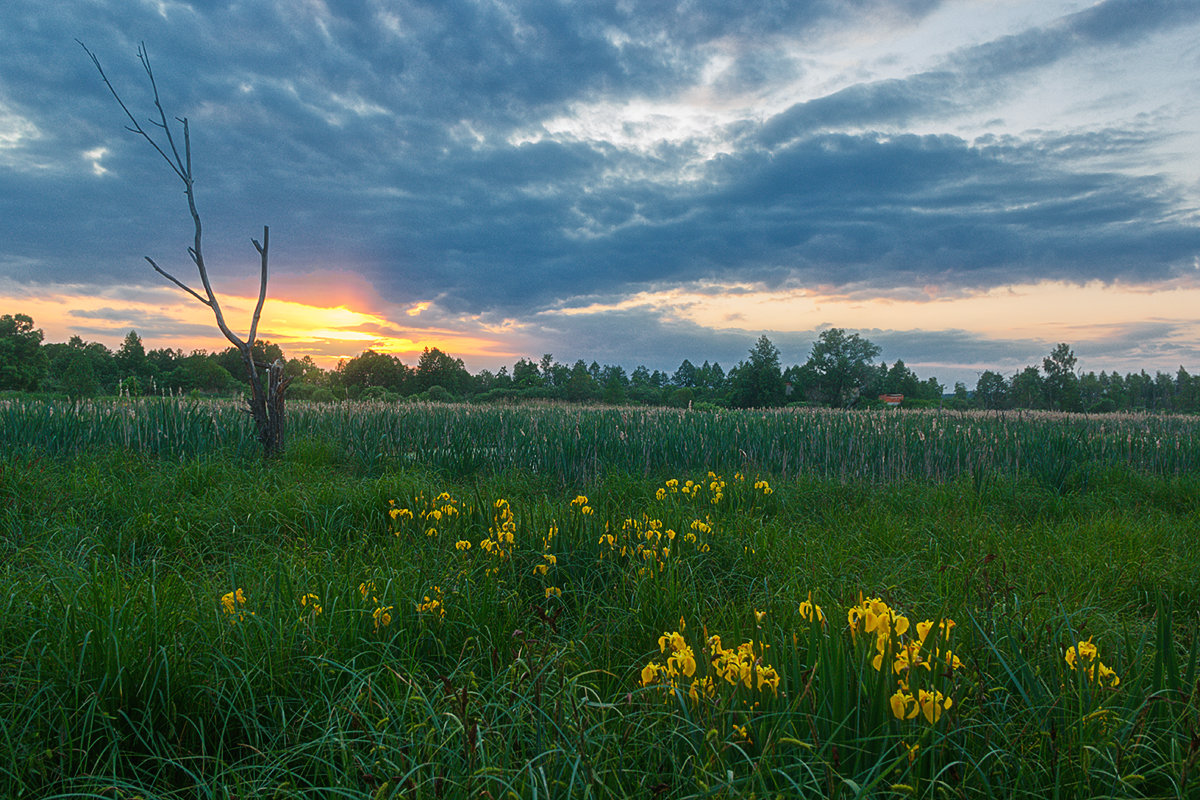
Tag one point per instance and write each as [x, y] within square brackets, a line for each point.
[389, 138]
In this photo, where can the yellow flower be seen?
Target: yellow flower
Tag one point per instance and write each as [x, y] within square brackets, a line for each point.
[462, 544]
[683, 660]
[944, 628]
[382, 616]
[767, 676]
[650, 673]
[312, 602]
[933, 704]
[553, 590]
[1086, 657]
[661, 494]
[580, 500]
[700, 688]
[1106, 676]
[433, 605]
[1084, 651]
[366, 589]
[231, 603]
[811, 611]
[904, 705]
[674, 640]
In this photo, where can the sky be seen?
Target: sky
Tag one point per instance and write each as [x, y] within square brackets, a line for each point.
[965, 183]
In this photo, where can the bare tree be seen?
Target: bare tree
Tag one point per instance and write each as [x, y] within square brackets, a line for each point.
[267, 381]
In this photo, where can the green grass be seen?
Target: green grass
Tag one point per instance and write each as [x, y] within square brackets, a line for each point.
[122, 675]
[575, 446]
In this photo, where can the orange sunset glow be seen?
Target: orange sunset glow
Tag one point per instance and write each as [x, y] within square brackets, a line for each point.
[164, 317]
[1049, 311]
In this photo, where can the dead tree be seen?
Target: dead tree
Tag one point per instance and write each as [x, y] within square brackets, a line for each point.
[267, 381]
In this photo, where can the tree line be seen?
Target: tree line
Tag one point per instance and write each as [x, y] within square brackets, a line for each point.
[841, 371]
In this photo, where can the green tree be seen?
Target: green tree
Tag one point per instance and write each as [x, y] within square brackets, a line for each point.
[22, 362]
[841, 364]
[203, 373]
[374, 369]
[991, 390]
[901, 380]
[1025, 390]
[758, 381]
[1061, 385]
[582, 387]
[685, 376]
[526, 375]
[615, 384]
[435, 368]
[131, 357]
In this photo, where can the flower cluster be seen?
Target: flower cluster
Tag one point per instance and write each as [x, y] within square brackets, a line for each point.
[310, 605]
[1085, 656]
[743, 664]
[893, 640]
[678, 671]
[442, 508]
[810, 611]
[692, 489]
[581, 502]
[382, 615]
[234, 604]
[502, 533]
[928, 702]
[433, 605]
[716, 488]
[649, 544]
[874, 616]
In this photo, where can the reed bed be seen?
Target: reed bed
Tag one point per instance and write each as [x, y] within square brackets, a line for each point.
[573, 446]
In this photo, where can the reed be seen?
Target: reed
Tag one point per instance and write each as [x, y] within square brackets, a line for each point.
[574, 446]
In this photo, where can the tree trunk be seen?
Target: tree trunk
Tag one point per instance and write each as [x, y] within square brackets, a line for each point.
[267, 403]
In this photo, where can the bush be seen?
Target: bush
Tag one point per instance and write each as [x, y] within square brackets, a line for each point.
[681, 398]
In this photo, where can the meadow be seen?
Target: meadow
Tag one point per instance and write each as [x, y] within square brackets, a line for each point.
[460, 601]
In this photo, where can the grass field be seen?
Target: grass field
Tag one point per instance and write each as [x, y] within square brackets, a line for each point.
[535, 602]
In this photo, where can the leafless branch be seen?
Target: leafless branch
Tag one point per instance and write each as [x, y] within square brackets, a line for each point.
[136, 127]
[177, 282]
[262, 287]
[267, 401]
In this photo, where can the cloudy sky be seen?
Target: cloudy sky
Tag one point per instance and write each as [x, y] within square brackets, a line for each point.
[964, 182]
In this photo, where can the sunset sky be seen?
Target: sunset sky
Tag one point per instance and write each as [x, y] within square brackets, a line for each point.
[964, 183]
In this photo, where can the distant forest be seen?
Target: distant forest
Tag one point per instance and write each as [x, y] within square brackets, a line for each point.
[841, 371]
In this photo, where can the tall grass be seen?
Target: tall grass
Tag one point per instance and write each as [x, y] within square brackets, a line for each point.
[122, 673]
[573, 446]
[445, 662]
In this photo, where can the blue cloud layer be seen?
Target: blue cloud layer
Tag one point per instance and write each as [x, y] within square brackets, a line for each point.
[385, 137]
